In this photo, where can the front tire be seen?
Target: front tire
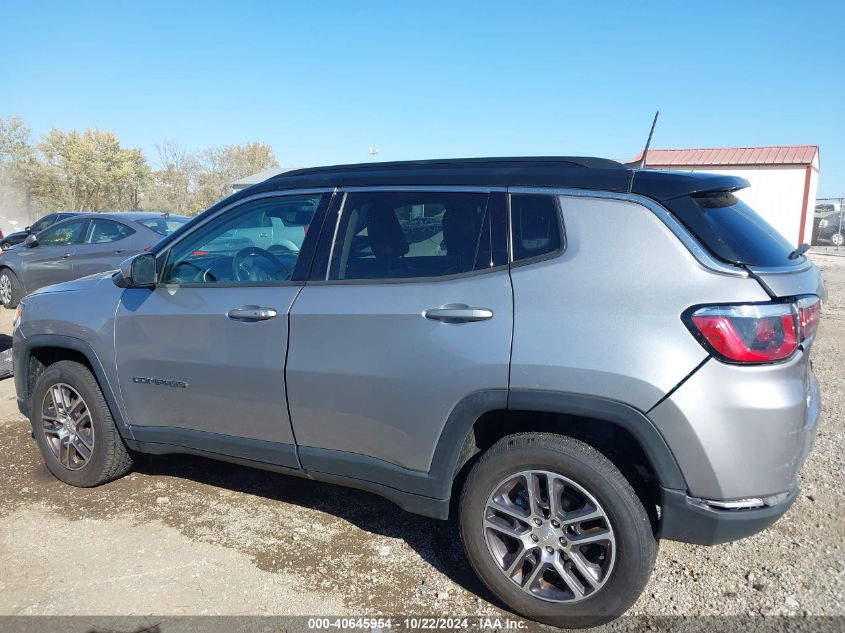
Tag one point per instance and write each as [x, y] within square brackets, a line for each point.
[555, 530]
[10, 289]
[838, 239]
[74, 428]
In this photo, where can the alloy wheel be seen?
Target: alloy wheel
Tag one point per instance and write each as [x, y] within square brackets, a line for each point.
[838, 239]
[549, 536]
[67, 426]
[5, 289]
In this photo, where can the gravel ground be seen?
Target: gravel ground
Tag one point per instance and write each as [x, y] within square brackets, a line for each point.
[183, 535]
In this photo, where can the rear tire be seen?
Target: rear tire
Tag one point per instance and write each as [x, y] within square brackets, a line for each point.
[619, 560]
[74, 428]
[838, 239]
[10, 289]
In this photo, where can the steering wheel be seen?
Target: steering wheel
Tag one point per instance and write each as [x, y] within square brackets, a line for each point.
[244, 273]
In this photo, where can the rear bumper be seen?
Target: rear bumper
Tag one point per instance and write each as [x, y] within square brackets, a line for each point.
[739, 432]
[690, 520]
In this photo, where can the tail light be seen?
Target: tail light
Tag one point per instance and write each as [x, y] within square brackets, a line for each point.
[809, 313]
[756, 333]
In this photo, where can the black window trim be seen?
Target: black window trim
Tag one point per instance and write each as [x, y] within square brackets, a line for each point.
[321, 268]
[560, 250]
[326, 195]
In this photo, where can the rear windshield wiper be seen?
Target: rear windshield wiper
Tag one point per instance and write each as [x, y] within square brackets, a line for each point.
[799, 251]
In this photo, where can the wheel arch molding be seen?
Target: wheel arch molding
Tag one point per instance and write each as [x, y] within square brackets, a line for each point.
[455, 448]
[27, 347]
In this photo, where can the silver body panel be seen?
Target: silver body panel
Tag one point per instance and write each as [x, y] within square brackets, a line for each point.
[369, 374]
[82, 309]
[742, 431]
[603, 321]
[234, 369]
[808, 280]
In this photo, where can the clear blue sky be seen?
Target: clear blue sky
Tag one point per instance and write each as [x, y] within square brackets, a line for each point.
[323, 81]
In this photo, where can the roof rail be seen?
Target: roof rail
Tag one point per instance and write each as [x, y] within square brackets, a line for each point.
[567, 162]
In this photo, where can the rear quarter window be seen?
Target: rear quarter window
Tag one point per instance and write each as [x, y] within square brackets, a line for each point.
[535, 226]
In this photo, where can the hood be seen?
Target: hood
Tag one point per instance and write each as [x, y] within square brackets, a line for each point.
[83, 283]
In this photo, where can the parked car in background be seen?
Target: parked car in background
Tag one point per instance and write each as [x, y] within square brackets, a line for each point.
[81, 245]
[829, 225]
[549, 349]
[39, 225]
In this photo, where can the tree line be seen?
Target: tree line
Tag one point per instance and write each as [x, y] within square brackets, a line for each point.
[90, 170]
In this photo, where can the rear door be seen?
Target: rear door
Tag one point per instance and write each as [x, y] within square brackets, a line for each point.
[408, 313]
[105, 245]
[201, 356]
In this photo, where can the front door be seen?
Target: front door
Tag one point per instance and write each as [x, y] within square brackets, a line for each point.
[201, 356]
[413, 315]
[51, 261]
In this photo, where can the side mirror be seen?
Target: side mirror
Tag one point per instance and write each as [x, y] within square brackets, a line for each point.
[28, 229]
[31, 241]
[139, 271]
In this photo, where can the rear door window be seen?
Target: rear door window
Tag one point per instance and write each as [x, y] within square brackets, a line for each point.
[106, 231]
[416, 234]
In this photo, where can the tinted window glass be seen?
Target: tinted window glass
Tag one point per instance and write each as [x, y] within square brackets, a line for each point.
[535, 222]
[257, 242]
[105, 231]
[736, 233]
[67, 233]
[401, 235]
[43, 223]
[163, 226]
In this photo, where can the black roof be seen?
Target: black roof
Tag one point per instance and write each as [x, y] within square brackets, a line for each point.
[564, 172]
[570, 172]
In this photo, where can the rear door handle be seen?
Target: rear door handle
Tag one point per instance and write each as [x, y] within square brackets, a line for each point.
[458, 313]
[251, 313]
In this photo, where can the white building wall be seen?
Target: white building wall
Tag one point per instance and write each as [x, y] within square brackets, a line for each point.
[777, 193]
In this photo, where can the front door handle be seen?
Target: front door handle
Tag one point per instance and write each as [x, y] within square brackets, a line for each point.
[458, 313]
[66, 255]
[252, 313]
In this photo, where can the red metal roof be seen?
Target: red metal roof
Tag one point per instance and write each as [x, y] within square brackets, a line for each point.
[732, 156]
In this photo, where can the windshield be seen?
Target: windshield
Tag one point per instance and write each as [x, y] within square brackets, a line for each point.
[163, 226]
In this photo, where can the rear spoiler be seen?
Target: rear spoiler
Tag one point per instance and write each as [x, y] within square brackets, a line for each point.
[666, 185]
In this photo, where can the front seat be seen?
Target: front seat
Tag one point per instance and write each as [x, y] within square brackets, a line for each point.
[387, 240]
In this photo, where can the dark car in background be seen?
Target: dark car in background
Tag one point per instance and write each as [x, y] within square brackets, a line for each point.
[78, 246]
[828, 225]
[39, 225]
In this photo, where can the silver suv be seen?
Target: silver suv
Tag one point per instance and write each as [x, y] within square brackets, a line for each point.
[572, 358]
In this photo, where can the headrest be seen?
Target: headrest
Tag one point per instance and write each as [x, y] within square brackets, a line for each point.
[386, 236]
